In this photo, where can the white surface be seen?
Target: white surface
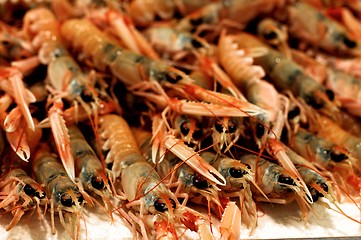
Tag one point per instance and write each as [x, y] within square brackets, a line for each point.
[286, 222]
[277, 221]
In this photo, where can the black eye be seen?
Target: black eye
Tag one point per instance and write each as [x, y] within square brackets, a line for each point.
[324, 187]
[80, 198]
[97, 183]
[285, 180]
[270, 35]
[66, 200]
[313, 102]
[5, 43]
[66, 104]
[86, 96]
[349, 43]
[236, 173]
[330, 94]
[195, 43]
[197, 134]
[315, 194]
[173, 77]
[294, 113]
[219, 126]
[12, 105]
[199, 182]
[259, 130]
[232, 126]
[160, 206]
[196, 22]
[337, 157]
[29, 190]
[184, 128]
[177, 15]
[173, 203]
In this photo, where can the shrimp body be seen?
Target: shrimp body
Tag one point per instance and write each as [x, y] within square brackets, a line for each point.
[130, 183]
[318, 149]
[191, 186]
[12, 169]
[32, 185]
[144, 12]
[64, 73]
[20, 174]
[237, 174]
[238, 11]
[347, 90]
[316, 183]
[277, 185]
[313, 68]
[19, 194]
[309, 24]
[129, 67]
[188, 183]
[237, 58]
[88, 167]
[239, 179]
[319, 185]
[272, 32]
[238, 63]
[137, 175]
[49, 171]
[169, 41]
[12, 47]
[120, 141]
[63, 193]
[208, 14]
[311, 175]
[334, 133]
[141, 185]
[146, 77]
[288, 75]
[271, 179]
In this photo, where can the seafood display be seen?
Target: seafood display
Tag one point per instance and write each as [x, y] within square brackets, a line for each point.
[175, 115]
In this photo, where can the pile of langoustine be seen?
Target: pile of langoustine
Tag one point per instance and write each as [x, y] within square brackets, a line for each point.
[141, 107]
